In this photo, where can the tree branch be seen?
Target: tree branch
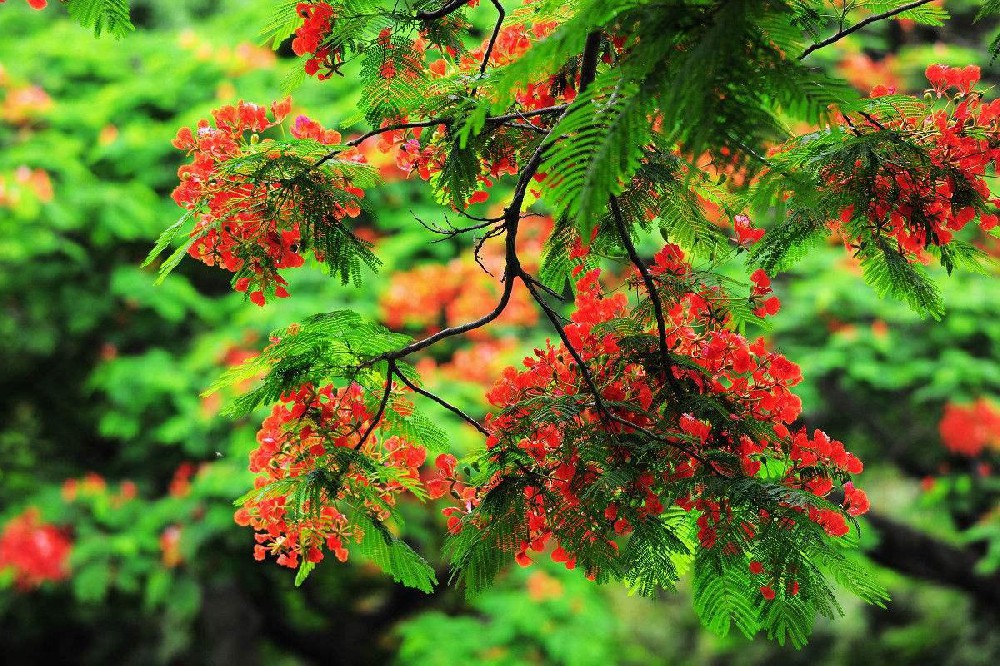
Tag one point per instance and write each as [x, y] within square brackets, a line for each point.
[647, 278]
[432, 122]
[913, 553]
[493, 37]
[844, 32]
[381, 407]
[553, 317]
[444, 403]
[441, 12]
[588, 67]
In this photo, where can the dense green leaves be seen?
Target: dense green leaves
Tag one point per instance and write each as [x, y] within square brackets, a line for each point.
[602, 136]
[324, 347]
[394, 556]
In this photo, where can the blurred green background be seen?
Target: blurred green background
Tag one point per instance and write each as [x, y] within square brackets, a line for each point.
[103, 432]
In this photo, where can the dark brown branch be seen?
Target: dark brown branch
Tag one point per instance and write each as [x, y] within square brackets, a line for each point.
[861, 24]
[381, 406]
[548, 290]
[441, 12]
[512, 267]
[654, 296]
[493, 37]
[432, 122]
[451, 331]
[444, 403]
[588, 70]
[521, 115]
[588, 67]
[913, 553]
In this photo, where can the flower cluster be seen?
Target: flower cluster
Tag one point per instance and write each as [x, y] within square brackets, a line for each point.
[310, 37]
[564, 465]
[921, 206]
[240, 226]
[432, 296]
[418, 152]
[36, 551]
[317, 435]
[93, 488]
[968, 429]
[22, 104]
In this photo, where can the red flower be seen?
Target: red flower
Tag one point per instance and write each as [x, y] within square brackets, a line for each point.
[855, 500]
[746, 233]
[303, 433]
[968, 429]
[36, 551]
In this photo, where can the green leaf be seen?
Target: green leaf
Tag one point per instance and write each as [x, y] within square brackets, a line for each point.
[394, 556]
[102, 15]
[305, 568]
[284, 21]
[602, 138]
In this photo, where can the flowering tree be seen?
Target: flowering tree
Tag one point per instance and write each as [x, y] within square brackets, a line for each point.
[650, 435]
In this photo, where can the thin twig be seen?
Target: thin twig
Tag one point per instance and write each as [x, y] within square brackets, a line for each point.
[861, 24]
[442, 11]
[547, 289]
[553, 317]
[391, 368]
[512, 267]
[432, 122]
[451, 231]
[654, 296]
[493, 37]
[444, 403]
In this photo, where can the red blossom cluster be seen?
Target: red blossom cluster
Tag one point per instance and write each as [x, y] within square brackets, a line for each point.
[92, 486]
[767, 590]
[920, 207]
[30, 184]
[480, 362]
[416, 153]
[238, 228]
[170, 546]
[34, 550]
[639, 400]
[512, 42]
[968, 429]
[309, 39]
[319, 429]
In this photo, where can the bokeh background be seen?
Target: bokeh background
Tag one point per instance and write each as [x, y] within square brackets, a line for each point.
[117, 540]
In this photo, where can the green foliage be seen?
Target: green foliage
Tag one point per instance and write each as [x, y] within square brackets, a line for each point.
[130, 409]
[394, 556]
[111, 16]
[926, 14]
[657, 552]
[889, 272]
[478, 552]
[298, 189]
[604, 130]
[284, 21]
[333, 345]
